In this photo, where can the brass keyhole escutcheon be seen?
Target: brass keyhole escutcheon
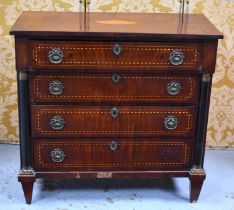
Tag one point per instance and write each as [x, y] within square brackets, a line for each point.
[115, 78]
[113, 145]
[114, 112]
[117, 49]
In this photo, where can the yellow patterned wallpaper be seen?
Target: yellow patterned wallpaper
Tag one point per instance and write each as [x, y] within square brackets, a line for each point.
[220, 12]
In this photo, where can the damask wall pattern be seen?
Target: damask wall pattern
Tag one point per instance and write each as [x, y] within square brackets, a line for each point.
[220, 13]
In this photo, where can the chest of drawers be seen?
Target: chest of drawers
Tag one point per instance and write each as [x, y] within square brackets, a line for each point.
[113, 95]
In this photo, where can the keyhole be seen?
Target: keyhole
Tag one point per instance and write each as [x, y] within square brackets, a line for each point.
[114, 112]
[113, 145]
[115, 78]
[117, 49]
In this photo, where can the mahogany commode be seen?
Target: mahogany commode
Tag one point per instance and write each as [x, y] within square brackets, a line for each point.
[113, 95]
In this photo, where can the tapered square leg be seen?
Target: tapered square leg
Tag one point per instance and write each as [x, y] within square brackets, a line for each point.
[27, 179]
[28, 189]
[197, 177]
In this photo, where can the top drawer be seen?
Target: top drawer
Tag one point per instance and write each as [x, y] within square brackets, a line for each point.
[112, 55]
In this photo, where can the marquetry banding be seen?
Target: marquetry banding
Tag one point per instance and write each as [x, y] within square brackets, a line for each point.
[38, 59]
[132, 97]
[123, 164]
[73, 112]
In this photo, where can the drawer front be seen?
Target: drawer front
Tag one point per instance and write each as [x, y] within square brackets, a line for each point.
[64, 121]
[112, 55]
[114, 88]
[102, 155]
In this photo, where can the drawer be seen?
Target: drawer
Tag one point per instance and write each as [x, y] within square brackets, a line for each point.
[111, 155]
[72, 121]
[112, 55]
[114, 88]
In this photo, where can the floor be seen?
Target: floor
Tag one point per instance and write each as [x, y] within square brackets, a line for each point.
[156, 194]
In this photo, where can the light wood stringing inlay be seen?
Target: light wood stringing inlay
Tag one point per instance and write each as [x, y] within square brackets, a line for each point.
[134, 164]
[57, 111]
[40, 77]
[98, 49]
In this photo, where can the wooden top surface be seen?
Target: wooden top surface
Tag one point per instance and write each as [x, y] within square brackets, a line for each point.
[135, 25]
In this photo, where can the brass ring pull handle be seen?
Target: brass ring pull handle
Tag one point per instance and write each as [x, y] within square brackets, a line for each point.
[57, 155]
[115, 78]
[56, 56]
[176, 57]
[57, 122]
[117, 49]
[173, 88]
[113, 145]
[114, 112]
[56, 87]
[171, 122]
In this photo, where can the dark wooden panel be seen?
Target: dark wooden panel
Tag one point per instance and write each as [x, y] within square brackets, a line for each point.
[128, 155]
[127, 25]
[100, 55]
[199, 150]
[97, 121]
[102, 88]
[24, 119]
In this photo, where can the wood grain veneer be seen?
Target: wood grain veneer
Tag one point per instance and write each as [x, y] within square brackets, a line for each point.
[113, 95]
[102, 88]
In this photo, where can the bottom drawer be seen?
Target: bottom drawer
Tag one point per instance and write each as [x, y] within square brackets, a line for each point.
[122, 154]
